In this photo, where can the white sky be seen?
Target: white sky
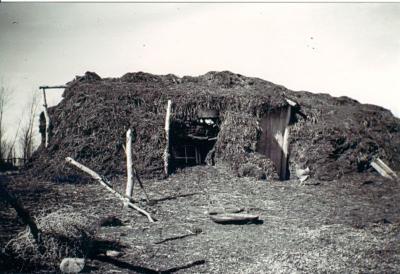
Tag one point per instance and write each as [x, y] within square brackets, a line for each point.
[341, 49]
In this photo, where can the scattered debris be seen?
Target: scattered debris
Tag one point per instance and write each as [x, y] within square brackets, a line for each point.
[72, 265]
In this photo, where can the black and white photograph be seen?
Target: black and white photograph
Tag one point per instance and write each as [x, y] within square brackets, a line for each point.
[199, 137]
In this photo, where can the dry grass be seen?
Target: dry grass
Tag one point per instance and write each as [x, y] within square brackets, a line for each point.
[64, 233]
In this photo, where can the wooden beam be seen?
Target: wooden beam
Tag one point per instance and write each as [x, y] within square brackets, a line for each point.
[52, 87]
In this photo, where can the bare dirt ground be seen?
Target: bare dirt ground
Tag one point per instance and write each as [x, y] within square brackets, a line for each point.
[351, 225]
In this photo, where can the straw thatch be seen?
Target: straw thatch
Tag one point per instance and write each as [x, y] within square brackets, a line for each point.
[332, 136]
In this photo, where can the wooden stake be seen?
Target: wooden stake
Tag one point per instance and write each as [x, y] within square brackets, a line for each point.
[129, 183]
[98, 178]
[167, 127]
[136, 175]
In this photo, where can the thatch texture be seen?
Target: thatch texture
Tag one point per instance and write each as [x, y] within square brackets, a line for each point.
[333, 137]
[237, 143]
[340, 136]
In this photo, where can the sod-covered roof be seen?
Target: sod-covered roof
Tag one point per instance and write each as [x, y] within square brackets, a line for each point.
[333, 136]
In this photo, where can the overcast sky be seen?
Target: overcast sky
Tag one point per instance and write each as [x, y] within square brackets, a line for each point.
[340, 49]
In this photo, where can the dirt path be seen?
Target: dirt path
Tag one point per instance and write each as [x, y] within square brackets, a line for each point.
[351, 225]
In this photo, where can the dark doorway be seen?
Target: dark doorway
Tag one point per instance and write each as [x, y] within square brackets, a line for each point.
[192, 141]
[273, 141]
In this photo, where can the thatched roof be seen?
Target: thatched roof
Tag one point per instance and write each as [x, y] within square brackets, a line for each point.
[89, 124]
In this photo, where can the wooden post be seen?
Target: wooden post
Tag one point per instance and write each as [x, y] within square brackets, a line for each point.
[47, 118]
[98, 178]
[167, 127]
[129, 182]
[46, 114]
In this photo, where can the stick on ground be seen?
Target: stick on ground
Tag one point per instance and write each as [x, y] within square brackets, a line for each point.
[98, 178]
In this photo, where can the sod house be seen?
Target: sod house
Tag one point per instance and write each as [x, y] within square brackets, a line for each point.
[255, 127]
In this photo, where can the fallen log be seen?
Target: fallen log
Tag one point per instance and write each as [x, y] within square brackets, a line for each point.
[233, 218]
[99, 179]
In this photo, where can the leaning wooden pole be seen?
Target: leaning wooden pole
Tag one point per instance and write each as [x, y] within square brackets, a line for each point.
[21, 212]
[98, 178]
[167, 127]
[129, 181]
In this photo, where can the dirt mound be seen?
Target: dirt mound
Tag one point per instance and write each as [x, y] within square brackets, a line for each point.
[332, 136]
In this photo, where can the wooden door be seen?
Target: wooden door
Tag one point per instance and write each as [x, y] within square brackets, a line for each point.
[274, 139]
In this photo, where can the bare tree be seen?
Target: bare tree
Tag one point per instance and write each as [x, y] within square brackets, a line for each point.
[4, 100]
[26, 136]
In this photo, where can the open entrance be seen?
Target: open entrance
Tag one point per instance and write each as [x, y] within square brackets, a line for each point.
[273, 141]
[192, 141]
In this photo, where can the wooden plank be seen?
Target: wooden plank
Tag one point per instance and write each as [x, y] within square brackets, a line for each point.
[380, 170]
[386, 167]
